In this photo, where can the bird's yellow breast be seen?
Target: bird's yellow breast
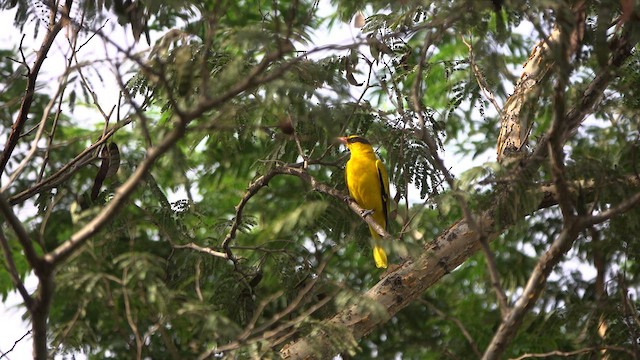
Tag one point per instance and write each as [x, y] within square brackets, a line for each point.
[364, 183]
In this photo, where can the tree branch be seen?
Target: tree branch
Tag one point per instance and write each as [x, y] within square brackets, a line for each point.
[130, 320]
[27, 100]
[13, 271]
[439, 164]
[482, 82]
[252, 190]
[122, 193]
[21, 233]
[458, 323]
[603, 216]
[40, 313]
[68, 169]
[201, 249]
[251, 333]
[509, 326]
[14, 345]
[558, 127]
[501, 295]
[518, 111]
[556, 353]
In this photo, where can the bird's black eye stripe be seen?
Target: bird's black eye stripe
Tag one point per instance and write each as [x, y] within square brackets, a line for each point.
[356, 139]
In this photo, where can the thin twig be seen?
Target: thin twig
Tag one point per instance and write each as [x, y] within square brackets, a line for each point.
[252, 334]
[68, 169]
[296, 138]
[558, 126]
[252, 190]
[68, 327]
[439, 164]
[21, 233]
[603, 216]
[482, 82]
[15, 343]
[197, 279]
[54, 126]
[532, 290]
[27, 100]
[168, 341]
[199, 248]
[57, 97]
[574, 352]
[129, 316]
[630, 309]
[492, 266]
[138, 109]
[458, 323]
[13, 271]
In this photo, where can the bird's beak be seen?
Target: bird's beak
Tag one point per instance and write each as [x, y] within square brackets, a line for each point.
[342, 139]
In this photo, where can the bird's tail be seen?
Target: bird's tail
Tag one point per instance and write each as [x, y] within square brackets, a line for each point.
[379, 256]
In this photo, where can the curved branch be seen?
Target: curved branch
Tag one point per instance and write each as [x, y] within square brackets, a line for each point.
[122, 193]
[13, 271]
[68, 169]
[21, 233]
[27, 100]
[253, 189]
[458, 323]
[509, 326]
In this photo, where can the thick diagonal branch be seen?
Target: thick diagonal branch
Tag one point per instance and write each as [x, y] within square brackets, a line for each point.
[517, 114]
[509, 326]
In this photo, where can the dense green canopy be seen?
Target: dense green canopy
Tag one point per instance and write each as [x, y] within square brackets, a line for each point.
[204, 215]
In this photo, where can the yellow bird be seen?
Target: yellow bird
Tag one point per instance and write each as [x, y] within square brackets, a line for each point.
[368, 185]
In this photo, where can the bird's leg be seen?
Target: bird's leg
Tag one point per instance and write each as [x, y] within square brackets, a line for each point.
[366, 212]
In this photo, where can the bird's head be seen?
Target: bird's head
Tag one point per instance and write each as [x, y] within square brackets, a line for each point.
[352, 141]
